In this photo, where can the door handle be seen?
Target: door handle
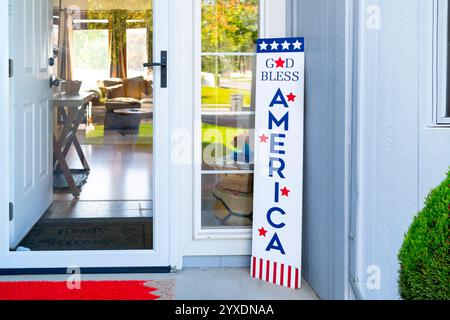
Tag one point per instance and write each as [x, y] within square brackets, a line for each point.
[163, 65]
[54, 82]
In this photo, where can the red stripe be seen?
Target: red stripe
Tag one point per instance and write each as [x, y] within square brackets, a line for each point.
[289, 276]
[260, 268]
[254, 267]
[275, 272]
[282, 274]
[267, 270]
[296, 279]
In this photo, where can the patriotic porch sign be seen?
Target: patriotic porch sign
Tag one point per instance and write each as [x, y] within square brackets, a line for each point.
[277, 208]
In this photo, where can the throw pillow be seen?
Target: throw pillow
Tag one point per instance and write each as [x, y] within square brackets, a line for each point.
[148, 88]
[112, 82]
[116, 91]
[134, 87]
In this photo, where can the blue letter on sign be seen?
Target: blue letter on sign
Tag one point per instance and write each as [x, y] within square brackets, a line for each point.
[273, 120]
[274, 143]
[275, 244]
[279, 169]
[269, 218]
[279, 99]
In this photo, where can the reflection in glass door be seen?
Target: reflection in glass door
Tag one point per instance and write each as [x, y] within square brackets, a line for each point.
[103, 129]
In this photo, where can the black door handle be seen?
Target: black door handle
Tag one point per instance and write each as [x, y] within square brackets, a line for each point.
[154, 64]
[54, 82]
[163, 65]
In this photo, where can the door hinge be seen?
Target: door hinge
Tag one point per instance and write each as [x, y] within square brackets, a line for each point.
[11, 67]
[11, 212]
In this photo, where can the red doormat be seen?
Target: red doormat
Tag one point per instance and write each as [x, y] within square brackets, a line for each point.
[89, 290]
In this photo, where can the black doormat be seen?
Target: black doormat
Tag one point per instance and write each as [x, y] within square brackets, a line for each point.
[60, 182]
[91, 234]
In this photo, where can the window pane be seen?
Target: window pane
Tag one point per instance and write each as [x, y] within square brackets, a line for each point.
[227, 82]
[90, 56]
[136, 51]
[227, 200]
[229, 32]
[229, 25]
[227, 142]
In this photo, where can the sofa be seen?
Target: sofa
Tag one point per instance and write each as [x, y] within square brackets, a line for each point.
[127, 93]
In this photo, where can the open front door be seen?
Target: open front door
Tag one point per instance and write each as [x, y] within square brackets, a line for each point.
[31, 116]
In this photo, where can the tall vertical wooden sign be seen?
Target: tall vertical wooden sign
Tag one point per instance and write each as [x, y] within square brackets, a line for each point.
[277, 209]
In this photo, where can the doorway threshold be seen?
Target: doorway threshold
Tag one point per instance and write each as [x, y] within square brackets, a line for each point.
[109, 270]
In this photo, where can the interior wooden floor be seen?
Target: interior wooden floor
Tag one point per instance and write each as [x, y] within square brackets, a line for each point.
[114, 211]
[99, 210]
[119, 172]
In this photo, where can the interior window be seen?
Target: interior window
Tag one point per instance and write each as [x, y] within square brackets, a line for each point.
[90, 56]
[136, 51]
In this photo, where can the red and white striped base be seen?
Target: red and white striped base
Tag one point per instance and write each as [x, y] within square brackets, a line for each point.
[277, 273]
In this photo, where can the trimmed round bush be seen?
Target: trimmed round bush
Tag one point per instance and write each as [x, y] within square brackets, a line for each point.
[425, 256]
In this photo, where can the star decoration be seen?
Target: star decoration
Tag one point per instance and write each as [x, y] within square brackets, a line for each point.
[297, 45]
[285, 192]
[262, 232]
[286, 45]
[274, 45]
[263, 138]
[291, 97]
[280, 63]
[263, 46]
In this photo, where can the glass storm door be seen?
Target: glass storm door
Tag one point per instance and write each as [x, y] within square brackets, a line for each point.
[111, 59]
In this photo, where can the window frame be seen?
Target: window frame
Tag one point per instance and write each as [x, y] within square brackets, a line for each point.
[440, 64]
[201, 233]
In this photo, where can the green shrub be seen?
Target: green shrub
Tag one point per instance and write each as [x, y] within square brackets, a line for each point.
[425, 256]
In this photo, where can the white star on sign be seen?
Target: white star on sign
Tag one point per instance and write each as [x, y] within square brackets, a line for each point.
[274, 45]
[263, 46]
[286, 45]
[297, 45]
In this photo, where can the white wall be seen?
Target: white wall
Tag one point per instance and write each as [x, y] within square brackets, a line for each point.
[383, 69]
[399, 157]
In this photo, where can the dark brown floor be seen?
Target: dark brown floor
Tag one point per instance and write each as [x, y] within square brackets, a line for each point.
[119, 172]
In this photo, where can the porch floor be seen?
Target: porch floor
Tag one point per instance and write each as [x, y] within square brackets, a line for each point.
[202, 284]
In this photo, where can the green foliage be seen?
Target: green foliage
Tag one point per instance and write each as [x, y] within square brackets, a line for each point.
[142, 18]
[228, 26]
[97, 134]
[425, 255]
[222, 96]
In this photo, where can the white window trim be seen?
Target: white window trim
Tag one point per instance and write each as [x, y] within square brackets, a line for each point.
[440, 48]
[272, 23]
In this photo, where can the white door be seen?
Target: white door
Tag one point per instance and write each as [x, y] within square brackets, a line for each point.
[31, 144]
[31, 116]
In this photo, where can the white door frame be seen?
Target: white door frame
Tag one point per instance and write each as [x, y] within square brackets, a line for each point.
[192, 241]
[163, 229]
